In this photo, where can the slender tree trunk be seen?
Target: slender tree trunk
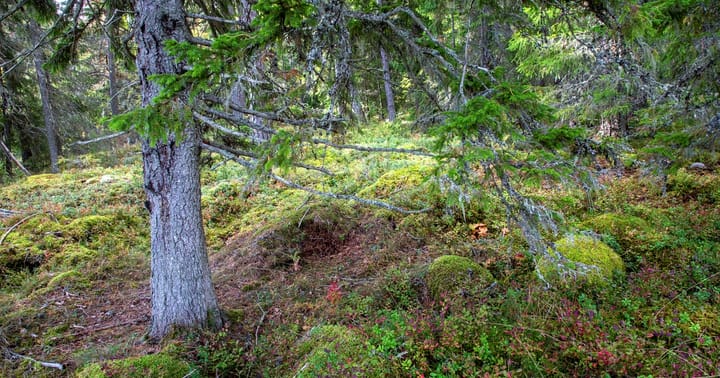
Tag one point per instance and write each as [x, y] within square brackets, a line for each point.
[182, 291]
[6, 136]
[389, 95]
[112, 79]
[44, 87]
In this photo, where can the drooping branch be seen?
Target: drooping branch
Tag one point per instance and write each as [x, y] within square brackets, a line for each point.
[214, 19]
[294, 185]
[216, 147]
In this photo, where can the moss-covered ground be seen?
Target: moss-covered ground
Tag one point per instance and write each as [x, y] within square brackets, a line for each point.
[317, 287]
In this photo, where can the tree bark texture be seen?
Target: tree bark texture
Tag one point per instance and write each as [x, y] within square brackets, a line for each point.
[387, 80]
[44, 87]
[112, 80]
[182, 291]
[389, 96]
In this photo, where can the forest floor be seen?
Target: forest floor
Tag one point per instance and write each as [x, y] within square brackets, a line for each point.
[318, 287]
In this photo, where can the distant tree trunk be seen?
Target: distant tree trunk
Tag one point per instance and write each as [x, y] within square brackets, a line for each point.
[44, 87]
[5, 104]
[182, 291]
[389, 95]
[112, 79]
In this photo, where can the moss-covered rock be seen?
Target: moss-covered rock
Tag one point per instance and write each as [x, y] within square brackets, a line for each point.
[451, 274]
[334, 350]
[159, 365]
[586, 250]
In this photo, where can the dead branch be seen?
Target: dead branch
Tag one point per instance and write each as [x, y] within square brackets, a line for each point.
[214, 19]
[98, 139]
[13, 355]
[18, 223]
[216, 147]
[371, 149]
[294, 185]
[12, 157]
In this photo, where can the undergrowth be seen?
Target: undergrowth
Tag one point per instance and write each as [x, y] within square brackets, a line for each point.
[314, 287]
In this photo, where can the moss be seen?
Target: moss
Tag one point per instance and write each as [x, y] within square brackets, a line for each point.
[403, 178]
[86, 227]
[18, 252]
[74, 255]
[626, 229]
[332, 350]
[159, 365]
[452, 273]
[69, 278]
[704, 188]
[587, 250]
[47, 179]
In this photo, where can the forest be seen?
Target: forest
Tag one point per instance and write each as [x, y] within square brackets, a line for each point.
[360, 188]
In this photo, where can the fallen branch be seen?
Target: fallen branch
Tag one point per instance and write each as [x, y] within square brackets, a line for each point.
[18, 223]
[109, 326]
[12, 157]
[15, 355]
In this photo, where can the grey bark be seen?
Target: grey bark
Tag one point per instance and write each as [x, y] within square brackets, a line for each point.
[112, 79]
[47, 109]
[389, 95]
[182, 291]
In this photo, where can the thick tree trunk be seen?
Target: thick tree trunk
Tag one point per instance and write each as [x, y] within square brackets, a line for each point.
[44, 87]
[182, 291]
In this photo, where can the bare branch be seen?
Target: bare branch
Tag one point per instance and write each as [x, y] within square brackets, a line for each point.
[98, 139]
[14, 355]
[371, 149]
[294, 185]
[13, 10]
[230, 153]
[214, 19]
[200, 41]
[12, 157]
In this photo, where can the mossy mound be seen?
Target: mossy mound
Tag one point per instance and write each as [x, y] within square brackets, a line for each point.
[631, 233]
[334, 350]
[20, 252]
[451, 274]
[686, 185]
[404, 185]
[86, 227]
[158, 365]
[70, 278]
[586, 250]
[73, 255]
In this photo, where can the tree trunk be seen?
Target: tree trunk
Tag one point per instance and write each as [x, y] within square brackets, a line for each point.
[112, 79]
[389, 95]
[182, 291]
[44, 87]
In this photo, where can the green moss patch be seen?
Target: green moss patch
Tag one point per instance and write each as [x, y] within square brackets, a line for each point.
[151, 366]
[451, 274]
[587, 250]
[86, 227]
[334, 350]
